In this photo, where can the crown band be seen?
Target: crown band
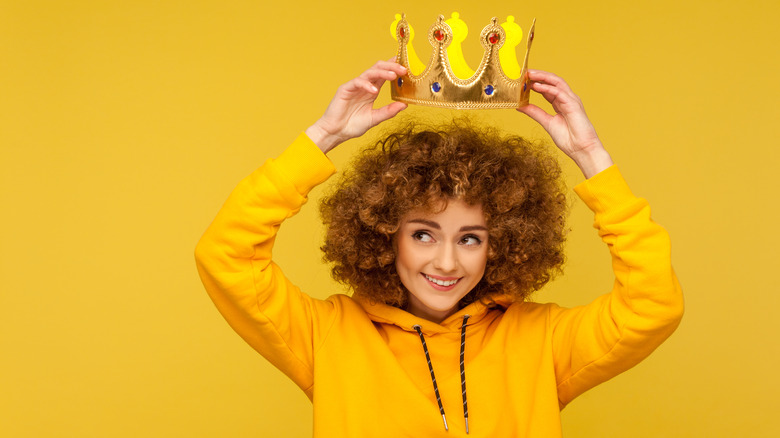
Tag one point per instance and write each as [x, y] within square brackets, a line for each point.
[437, 85]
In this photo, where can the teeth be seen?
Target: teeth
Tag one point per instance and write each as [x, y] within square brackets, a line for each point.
[441, 282]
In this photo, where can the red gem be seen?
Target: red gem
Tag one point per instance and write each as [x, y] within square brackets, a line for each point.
[402, 32]
[493, 38]
[438, 34]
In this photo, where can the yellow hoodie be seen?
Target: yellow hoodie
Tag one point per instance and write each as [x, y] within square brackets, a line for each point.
[363, 365]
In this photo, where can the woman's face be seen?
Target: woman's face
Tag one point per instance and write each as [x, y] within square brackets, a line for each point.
[440, 257]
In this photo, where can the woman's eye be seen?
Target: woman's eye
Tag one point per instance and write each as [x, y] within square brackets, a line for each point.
[471, 240]
[422, 236]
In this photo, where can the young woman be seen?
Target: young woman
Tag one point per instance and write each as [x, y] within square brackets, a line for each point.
[441, 235]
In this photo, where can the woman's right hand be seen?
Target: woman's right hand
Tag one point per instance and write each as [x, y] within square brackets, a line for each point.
[351, 112]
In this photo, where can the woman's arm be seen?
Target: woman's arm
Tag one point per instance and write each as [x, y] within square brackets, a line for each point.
[234, 254]
[234, 261]
[593, 343]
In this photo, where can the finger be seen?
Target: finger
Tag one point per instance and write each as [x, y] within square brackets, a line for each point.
[551, 79]
[360, 84]
[389, 111]
[539, 115]
[547, 78]
[560, 99]
[393, 66]
[367, 85]
[377, 75]
[549, 92]
[390, 64]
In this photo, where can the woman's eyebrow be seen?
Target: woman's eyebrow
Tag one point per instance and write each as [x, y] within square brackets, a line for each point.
[474, 228]
[436, 226]
[430, 223]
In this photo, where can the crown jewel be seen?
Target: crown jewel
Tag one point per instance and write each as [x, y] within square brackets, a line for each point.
[448, 82]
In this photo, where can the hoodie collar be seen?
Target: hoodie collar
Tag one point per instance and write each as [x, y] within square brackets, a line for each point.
[385, 314]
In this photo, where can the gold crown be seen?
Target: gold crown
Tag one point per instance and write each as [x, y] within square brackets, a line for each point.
[448, 82]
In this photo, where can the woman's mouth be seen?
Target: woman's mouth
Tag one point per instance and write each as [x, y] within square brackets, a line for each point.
[441, 284]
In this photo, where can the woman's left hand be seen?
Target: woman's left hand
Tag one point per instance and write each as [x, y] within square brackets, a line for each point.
[569, 127]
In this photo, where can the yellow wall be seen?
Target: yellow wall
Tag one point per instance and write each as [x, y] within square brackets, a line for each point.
[124, 125]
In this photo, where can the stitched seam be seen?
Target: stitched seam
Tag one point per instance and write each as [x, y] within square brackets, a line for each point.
[326, 333]
[276, 331]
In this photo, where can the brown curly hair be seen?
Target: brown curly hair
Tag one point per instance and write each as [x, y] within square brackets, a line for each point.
[517, 182]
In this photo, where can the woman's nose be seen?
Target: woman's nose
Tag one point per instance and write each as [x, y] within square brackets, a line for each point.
[446, 258]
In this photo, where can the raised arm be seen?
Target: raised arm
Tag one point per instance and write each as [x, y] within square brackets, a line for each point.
[234, 254]
[595, 342]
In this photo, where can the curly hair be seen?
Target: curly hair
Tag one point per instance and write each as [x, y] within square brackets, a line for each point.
[518, 183]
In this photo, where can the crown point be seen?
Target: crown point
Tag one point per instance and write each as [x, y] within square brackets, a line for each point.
[494, 20]
[441, 18]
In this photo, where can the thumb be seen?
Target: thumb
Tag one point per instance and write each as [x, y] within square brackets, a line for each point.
[387, 112]
[539, 115]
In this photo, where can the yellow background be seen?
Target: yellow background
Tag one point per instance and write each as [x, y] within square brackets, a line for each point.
[124, 126]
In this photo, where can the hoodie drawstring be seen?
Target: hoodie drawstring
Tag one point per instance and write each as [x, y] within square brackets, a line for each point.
[462, 372]
[433, 377]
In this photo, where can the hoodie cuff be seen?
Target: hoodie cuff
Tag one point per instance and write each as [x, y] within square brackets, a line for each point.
[304, 164]
[605, 190]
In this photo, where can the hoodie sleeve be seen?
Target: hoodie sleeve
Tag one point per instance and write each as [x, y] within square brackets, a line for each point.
[234, 261]
[593, 343]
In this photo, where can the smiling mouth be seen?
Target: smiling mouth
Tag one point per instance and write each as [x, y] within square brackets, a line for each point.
[442, 283]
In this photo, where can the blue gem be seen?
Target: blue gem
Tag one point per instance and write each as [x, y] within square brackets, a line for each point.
[489, 90]
[400, 82]
[436, 87]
